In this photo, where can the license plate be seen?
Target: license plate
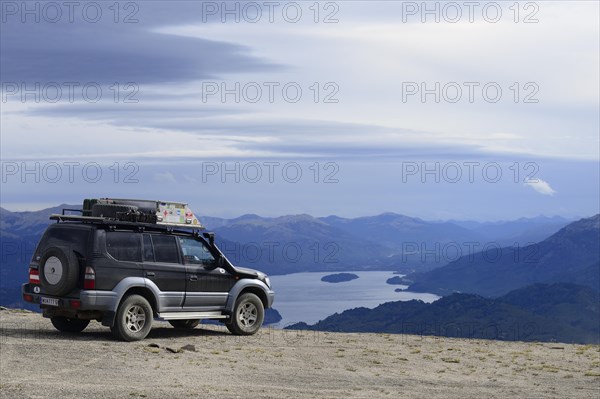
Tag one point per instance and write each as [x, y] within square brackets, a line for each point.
[50, 301]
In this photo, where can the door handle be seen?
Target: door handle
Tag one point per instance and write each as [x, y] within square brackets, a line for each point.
[150, 274]
[193, 278]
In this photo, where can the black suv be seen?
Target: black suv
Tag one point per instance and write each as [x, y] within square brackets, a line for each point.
[127, 262]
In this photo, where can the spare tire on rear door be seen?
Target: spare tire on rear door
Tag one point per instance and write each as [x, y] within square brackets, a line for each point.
[59, 271]
[111, 210]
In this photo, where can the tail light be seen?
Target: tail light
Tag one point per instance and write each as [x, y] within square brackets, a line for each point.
[75, 304]
[34, 276]
[89, 280]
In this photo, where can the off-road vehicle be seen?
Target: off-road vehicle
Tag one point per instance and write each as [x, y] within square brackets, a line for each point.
[127, 262]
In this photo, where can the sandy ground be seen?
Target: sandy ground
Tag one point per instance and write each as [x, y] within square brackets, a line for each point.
[39, 362]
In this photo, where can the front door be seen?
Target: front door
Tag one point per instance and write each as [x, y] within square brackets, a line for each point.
[207, 286]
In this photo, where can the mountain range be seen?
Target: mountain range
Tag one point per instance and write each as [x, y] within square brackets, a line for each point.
[570, 255]
[299, 243]
[388, 241]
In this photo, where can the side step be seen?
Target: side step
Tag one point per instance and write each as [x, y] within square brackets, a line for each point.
[191, 315]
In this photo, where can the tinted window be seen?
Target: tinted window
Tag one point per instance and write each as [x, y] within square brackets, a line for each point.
[124, 246]
[195, 252]
[74, 237]
[165, 249]
[148, 250]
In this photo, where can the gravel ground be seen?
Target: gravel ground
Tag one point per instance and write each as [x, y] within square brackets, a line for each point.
[37, 361]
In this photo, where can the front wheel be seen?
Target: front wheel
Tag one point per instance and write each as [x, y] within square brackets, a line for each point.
[248, 315]
[134, 319]
[67, 324]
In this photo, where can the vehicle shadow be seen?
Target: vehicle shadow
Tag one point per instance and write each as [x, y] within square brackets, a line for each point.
[12, 332]
[170, 332]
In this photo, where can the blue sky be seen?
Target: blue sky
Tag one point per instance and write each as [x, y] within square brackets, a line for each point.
[198, 97]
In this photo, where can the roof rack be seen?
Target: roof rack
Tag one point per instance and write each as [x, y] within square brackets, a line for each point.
[115, 222]
[133, 212]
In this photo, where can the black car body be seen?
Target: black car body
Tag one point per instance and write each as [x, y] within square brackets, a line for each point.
[92, 268]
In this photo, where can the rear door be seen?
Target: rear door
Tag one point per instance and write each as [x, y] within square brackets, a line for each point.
[125, 259]
[164, 267]
[207, 286]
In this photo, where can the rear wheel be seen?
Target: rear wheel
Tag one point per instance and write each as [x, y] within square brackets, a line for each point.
[184, 324]
[67, 324]
[248, 315]
[133, 320]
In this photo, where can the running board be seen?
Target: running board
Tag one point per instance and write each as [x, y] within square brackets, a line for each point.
[191, 315]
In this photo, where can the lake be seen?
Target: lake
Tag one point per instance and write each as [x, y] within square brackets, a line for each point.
[304, 297]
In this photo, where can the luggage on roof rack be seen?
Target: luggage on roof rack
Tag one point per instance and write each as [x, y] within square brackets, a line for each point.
[141, 211]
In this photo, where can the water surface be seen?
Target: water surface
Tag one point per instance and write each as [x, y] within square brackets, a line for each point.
[304, 297]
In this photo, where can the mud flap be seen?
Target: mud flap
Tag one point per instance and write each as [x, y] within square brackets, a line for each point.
[109, 319]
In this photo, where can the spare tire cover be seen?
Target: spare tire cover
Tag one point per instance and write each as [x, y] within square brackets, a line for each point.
[59, 271]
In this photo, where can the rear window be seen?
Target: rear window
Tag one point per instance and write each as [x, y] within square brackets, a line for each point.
[165, 249]
[74, 237]
[124, 246]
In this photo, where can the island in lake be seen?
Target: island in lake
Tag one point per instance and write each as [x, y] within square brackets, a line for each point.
[339, 277]
[395, 281]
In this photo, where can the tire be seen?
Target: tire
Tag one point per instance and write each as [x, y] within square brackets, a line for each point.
[184, 324]
[133, 320]
[59, 271]
[248, 315]
[111, 210]
[69, 325]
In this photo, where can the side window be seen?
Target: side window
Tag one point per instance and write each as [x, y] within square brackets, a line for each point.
[148, 249]
[165, 249]
[124, 246]
[195, 252]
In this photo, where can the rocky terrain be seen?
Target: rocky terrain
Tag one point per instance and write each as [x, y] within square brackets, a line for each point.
[36, 361]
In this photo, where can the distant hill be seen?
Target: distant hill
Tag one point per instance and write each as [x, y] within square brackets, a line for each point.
[419, 245]
[289, 244]
[388, 241]
[571, 252]
[28, 223]
[394, 230]
[528, 314]
[569, 304]
[589, 276]
[522, 231]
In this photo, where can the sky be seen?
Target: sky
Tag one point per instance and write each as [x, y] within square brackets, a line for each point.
[441, 110]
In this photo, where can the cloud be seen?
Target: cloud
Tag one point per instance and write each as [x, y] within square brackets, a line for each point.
[165, 177]
[106, 52]
[540, 186]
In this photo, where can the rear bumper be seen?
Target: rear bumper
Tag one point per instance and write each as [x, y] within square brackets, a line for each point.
[81, 300]
[98, 300]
